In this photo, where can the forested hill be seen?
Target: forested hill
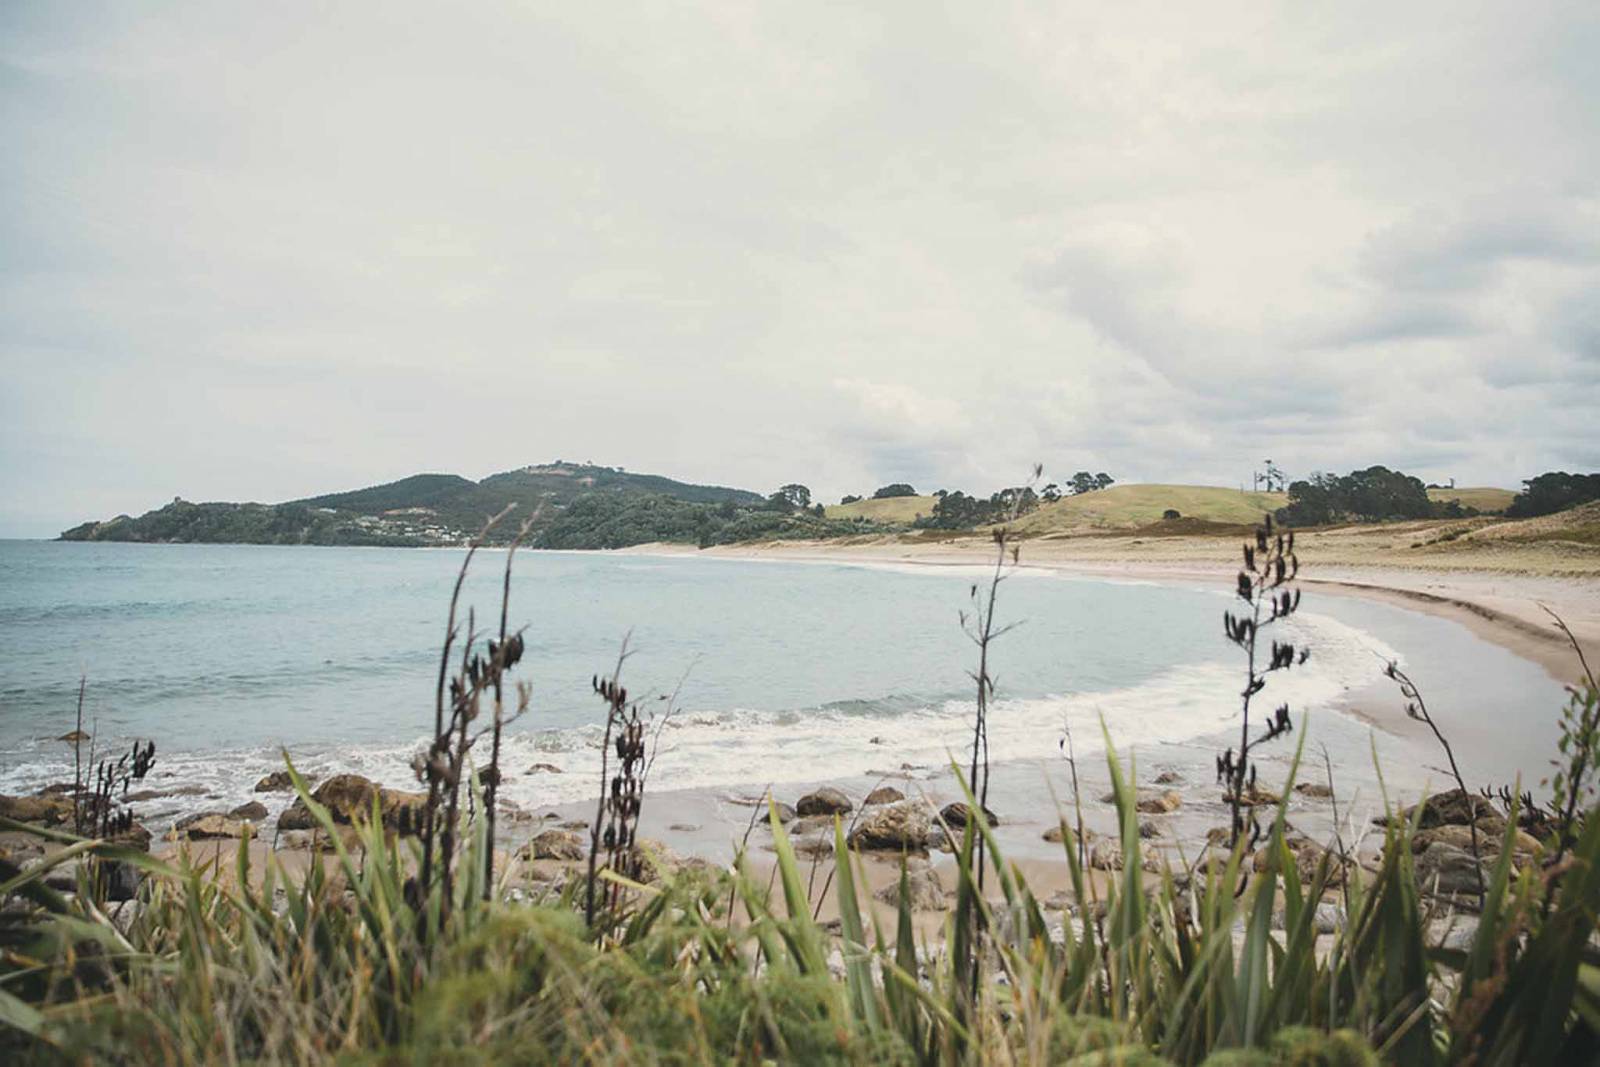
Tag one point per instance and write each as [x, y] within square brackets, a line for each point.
[618, 507]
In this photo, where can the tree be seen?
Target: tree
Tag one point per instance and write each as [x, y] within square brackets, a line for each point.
[1083, 482]
[1051, 493]
[894, 490]
[849, 498]
[1554, 491]
[819, 511]
[1375, 494]
[790, 497]
[1103, 480]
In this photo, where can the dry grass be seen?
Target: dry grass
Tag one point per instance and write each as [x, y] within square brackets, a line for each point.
[1128, 507]
[1485, 498]
[898, 509]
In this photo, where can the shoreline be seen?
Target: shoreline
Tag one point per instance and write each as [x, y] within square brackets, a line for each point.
[1503, 607]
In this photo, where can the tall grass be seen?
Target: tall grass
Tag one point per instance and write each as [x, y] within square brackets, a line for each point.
[377, 954]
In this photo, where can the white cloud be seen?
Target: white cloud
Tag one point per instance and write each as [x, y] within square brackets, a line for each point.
[260, 252]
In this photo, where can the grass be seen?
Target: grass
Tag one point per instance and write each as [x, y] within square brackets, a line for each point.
[1133, 506]
[895, 509]
[1486, 499]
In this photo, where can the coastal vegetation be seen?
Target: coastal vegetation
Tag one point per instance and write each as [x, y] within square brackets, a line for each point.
[415, 940]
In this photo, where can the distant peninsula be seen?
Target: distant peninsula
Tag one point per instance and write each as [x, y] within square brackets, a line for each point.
[578, 505]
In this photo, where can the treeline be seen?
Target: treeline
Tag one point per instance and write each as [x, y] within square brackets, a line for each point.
[1378, 494]
[1554, 491]
[603, 521]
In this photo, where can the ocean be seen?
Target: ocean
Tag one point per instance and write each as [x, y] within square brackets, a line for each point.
[786, 672]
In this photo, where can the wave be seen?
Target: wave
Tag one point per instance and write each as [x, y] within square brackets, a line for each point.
[738, 747]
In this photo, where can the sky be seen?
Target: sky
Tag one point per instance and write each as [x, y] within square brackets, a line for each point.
[258, 252]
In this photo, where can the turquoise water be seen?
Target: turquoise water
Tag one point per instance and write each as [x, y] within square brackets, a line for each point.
[790, 671]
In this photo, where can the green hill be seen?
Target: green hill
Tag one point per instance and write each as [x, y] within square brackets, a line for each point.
[1131, 506]
[435, 509]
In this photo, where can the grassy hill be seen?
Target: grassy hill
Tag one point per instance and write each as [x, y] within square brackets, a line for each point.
[896, 509]
[435, 509]
[1130, 506]
[1485, 498]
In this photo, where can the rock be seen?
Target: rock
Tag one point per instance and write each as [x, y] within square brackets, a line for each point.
[1105, 854]
[813, 846]
[1160, 804]
[683, 827]
[1169, 778]
[40, 811]
[543, 768]
[555, 845]
[1149, 828]
[902, 825]
[924, 890]
[1444, 868]
[1151, 801]
[1055, 834]
[1314, 791]
[277, 782]
[811, 824]
[786, 812]
[955, 816]
[160, 794]
[1453, 808]
[657, 861]
[1254, 797]
[254, 811]
[75, 737]
[1524, 846]
[825, 801]
[206, 826]
[348, 798]
[574, 824]
[884, 794]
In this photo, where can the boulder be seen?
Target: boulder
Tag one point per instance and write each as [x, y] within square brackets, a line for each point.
[253, 811]
[825, 801]
[684, 827]
[277, 782]
[1169, 778]
[348, 798]
[955, 816]
[884, 794]
[543, 768]
[1254, 797]
[902, 826]
[1453, 808]
[1524, 846]
[1444, 868]
[206, 826]
[1105, 854]
[925, 891]
[75, 737]
[555, 845]
[813, 846]
[1149, 828]
[811, 824]
[1314, 791]
[40, 811]
[1151, 801]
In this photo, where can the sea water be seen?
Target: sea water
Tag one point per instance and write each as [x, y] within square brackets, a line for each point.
[230, 656]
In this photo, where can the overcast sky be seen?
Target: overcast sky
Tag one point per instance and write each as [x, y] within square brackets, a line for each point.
[259, 251]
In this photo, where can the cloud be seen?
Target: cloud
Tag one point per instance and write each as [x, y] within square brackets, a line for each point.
[258, 253]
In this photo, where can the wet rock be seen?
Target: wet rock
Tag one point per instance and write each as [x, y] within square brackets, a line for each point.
[657, 861]
[1056, 835]
[1314, 791]
[684, 827]
[543, 768]
[277, 782]
[1149, 828]
[253, 811]
[811, 824]
[884, 794]
[1491, 835]
[1453, 808]
[825, 801]
[955, 816]
[1254, 797]
[902, 825]
[1444, 868]
[924, 890]
[207, 826]
[39, 811]
[349, 797]
[574, 824]
[139, 795]
[75, 737]
[1151, 801]
[1169, 778]
[813, 846]
[554, 845]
